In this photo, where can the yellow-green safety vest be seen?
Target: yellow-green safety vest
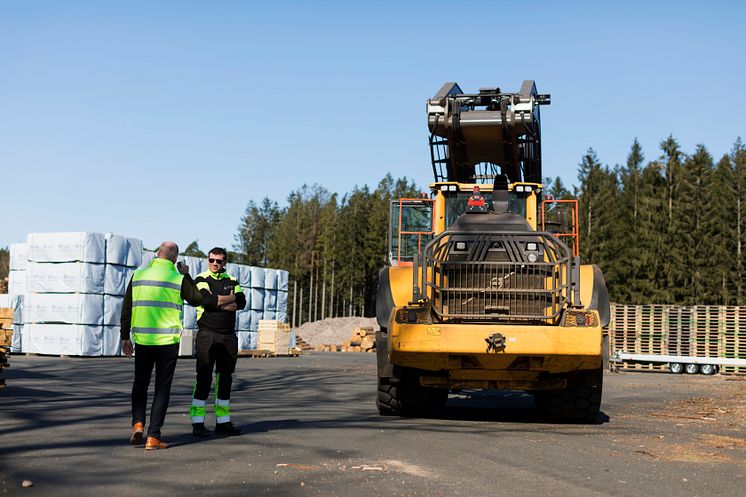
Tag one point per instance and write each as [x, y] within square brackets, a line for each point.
[157, 305]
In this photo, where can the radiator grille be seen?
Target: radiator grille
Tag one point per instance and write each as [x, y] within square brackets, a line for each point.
[494, 280]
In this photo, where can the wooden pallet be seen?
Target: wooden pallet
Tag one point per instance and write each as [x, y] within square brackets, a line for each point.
[274, 336]
[699, 331]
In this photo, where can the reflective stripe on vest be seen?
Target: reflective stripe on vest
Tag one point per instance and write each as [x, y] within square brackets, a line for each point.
[157, 304]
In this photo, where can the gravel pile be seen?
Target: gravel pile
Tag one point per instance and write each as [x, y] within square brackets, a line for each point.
[332, 330]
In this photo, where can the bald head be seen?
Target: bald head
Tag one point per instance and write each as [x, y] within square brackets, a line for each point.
[168, 250]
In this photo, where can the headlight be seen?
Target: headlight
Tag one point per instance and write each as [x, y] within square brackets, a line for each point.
[460, 245]
[452, 188]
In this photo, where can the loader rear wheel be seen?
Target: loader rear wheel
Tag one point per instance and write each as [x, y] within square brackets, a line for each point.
[579, 402]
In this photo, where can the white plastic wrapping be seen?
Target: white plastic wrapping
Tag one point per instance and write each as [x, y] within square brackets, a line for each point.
[243, 319]
[70, 277]
[190, 317]
[69, 308]
[63, 339]
[270, 279]
[257, 299]
[116, 279]
[247, 340]
[243, 276]
[147, 256]
[257, 277]
[112, 341]
[17, 284]
[283, 277]
[270, 300]
[270, 315]
[123, 251]
[256, 316]
[282, 316]
[196, 264]
[15, 302]
[232, 270]
[18, 256]
[282, 302]
[112, 310]
[16, 344]
[67, 247]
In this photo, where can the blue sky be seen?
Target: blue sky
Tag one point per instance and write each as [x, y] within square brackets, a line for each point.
[161, 120]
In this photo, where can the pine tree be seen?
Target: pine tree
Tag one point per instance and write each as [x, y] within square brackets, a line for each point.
[721, 233]
[690, 227]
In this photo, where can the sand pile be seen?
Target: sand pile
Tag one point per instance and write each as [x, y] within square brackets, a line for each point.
[332, 330]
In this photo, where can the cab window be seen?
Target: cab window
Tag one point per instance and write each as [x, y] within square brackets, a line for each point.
[456, 203]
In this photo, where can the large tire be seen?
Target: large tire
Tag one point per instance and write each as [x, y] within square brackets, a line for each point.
[402, 395]
[579, 402]
[387, 401]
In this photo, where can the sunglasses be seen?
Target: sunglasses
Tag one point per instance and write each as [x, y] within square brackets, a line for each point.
[219, 261]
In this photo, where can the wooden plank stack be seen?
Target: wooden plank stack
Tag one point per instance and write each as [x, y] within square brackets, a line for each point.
[698, 331]
[6, 337]
[274, 336]
[363, 339]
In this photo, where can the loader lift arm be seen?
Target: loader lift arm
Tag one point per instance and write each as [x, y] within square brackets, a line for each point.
[474, 137]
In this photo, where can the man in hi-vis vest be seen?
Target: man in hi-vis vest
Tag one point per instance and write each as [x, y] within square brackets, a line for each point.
[152, 313]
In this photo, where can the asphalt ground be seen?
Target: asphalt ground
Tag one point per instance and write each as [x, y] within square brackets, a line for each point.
[311, 428]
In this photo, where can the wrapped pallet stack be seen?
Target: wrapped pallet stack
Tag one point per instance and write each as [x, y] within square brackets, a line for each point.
[67, 292]
[75, 288]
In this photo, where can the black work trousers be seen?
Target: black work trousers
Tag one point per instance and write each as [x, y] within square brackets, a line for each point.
[218, 351]
[163, 357]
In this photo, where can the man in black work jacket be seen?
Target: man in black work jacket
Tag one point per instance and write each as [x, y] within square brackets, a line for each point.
[216, 345]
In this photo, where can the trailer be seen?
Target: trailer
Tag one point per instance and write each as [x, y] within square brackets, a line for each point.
[681, 364]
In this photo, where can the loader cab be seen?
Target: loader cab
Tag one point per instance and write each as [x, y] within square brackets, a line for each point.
[414, 221]
[451, 200]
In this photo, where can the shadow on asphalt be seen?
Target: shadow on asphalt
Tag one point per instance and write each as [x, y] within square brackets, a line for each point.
[494, 406]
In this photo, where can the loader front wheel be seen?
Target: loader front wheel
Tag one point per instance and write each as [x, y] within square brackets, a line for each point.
[579, 402]
[402, 395]
[387, 401]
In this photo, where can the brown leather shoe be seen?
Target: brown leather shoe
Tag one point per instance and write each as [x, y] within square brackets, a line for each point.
[136, 437]
[154, 444]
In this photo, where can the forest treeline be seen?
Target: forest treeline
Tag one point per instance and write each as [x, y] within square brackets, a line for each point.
[668, 230]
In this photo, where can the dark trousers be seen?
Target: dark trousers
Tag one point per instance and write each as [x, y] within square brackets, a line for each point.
[163, 357]
[218, 351]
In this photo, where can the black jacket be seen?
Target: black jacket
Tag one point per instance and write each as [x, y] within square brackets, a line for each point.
[209, 317]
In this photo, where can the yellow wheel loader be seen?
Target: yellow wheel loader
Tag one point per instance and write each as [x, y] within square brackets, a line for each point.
[483, 288]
